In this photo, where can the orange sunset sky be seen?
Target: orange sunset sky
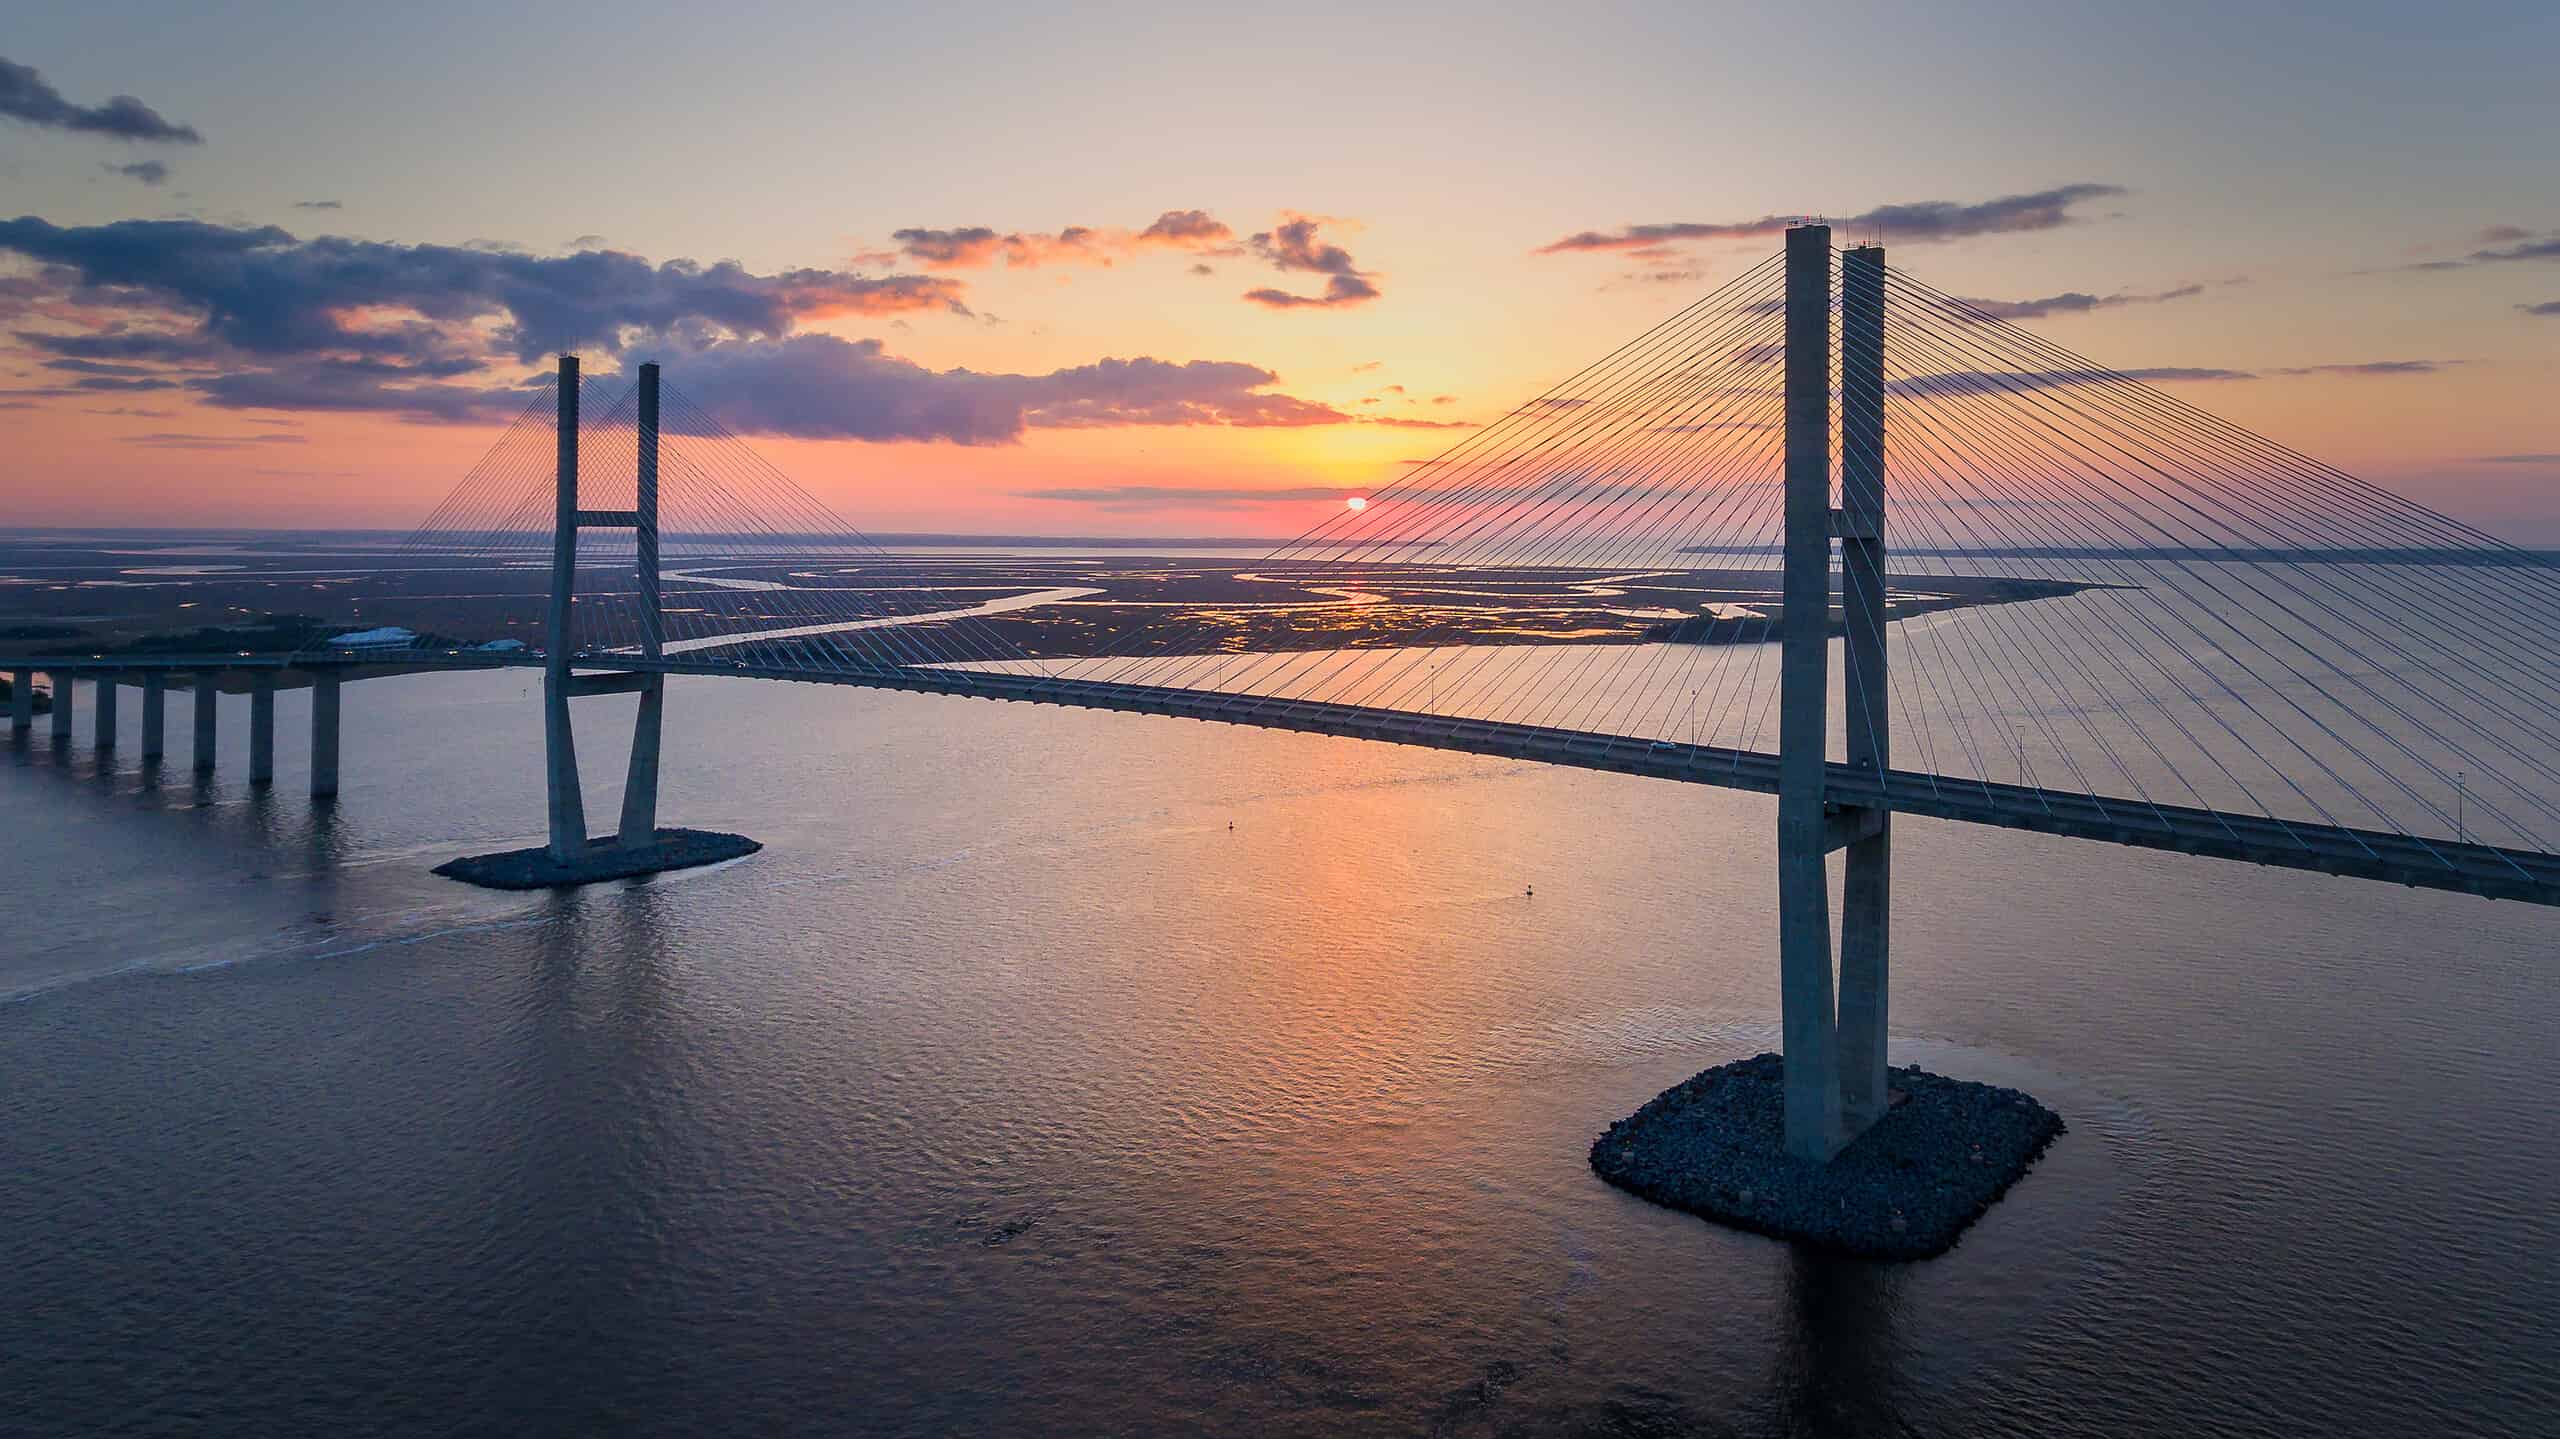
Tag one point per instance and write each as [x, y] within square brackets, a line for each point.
[1149, 270]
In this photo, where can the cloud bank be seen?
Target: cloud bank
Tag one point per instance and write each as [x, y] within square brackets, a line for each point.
[823, 387]
[256, 318]
[260, 290]
[338, 324]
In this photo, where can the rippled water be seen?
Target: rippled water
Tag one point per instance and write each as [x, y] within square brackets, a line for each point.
[1058, 1072]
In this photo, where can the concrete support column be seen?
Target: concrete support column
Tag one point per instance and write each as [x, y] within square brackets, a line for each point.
[207, 690]
[62, 706]
[103, 731]
[22, 701]
[1804, 891]
[262, 728]
[1865, 898]
[568, 809]
[155, 715]
[640, 784]
[324, 733]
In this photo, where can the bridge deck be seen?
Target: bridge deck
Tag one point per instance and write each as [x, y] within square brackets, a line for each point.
[2328, 849]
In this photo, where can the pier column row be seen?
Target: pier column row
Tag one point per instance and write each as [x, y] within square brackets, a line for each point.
[207, 693]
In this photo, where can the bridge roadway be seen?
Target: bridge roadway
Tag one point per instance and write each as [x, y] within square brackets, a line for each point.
[2461, 867]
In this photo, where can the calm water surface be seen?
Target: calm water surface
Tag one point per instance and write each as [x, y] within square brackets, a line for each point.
[1064, 1073]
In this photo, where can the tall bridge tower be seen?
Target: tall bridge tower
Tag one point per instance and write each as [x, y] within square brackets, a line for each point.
[1834, 1034]
[560, 682]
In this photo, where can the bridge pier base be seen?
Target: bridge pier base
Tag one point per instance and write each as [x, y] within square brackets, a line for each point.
[155, 716]
[262, 728]
[324, 734]
[22, 702]
[61, 706]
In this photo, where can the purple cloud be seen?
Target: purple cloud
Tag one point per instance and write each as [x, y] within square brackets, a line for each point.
[1925, 220]
[169, 440]
[1950, 383]
[2075, 302]
[1294, 246]
[970, 247]
[1178, 497]
[25, 97]
[2372, 367]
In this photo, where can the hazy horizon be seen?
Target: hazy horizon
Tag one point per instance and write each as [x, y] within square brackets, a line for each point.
[288, 279]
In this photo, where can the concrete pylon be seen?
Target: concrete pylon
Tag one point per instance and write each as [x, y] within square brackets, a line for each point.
[22, 701]
[324, 733]
[155, 715]
[640, 783]
[568, 806]
[1807, 1016]
[103, 732]
[1866, 892]
[262, 727]
[207, 690]
[1834, 1034]
[61, 706]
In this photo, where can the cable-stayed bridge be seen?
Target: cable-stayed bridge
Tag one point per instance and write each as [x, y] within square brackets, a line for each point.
[2102, 613]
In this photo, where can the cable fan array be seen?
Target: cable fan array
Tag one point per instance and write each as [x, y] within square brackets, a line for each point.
[2094, 588]
[2270, 636]
[753, 570]
[1651, 476]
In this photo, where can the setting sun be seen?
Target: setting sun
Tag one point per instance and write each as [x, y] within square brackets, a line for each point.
[1355, 504]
